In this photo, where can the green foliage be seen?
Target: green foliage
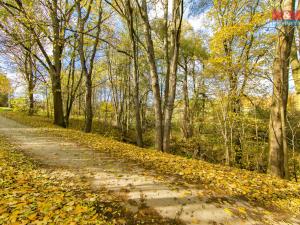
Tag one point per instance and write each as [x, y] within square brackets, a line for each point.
[5, 109]
[5, 90]
[19, 104]
[5, 86]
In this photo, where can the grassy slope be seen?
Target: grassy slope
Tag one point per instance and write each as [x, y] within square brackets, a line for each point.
[257, 188]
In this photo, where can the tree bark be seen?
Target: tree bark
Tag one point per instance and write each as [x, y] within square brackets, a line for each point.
[55, 70]
[177, 14]
[187, 131]
[167, 56]
[57, 99]
[31, 101]
[30, 79]
[87, 72]
[88, 104]
[278, 152]
[296, 77]
[154, 76]
[52, 63]
[138, 125]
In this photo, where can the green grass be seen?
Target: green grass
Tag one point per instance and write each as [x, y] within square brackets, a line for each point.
[5, 109]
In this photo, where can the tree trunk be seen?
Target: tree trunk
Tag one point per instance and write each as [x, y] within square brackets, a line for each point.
[138, 125]
[175, 43]
[154, 78]
[187, 131]
[88, 104]
[57, 100]
[87, 72]
[296, 77]
[47, 102]
[55, 68]
[31, 101]
[278, 152]
[166, 49]
[30, 79]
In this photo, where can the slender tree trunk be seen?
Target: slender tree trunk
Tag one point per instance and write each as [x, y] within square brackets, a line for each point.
[154, 78]
[31, 101]
[72, 86]
[175, 43]
[29, 75]
[166, 49]
[87, 72]
[296, 77]
[88, 104]
[234, 107]
[297, 85]
[186, 111]
[138, 125]
[278, 152]
[47, 102]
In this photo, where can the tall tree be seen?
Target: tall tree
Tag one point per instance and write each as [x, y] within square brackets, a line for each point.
[237, 25]
[53, 28]
[278, 149]
[127, 10]
[87, 64]
[176, 24]
[163, 114]
[143, 9]
[191, 53]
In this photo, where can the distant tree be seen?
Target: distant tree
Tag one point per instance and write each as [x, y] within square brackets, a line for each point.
[295, 64]
[87, 63]
[191, 53]
[5, 90]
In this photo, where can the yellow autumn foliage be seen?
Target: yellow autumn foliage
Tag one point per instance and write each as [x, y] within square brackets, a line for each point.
[255, 187]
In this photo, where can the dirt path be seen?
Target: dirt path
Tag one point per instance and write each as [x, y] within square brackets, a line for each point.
[168, 197]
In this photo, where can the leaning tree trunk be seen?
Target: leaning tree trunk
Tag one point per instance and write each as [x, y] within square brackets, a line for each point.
[278, 152]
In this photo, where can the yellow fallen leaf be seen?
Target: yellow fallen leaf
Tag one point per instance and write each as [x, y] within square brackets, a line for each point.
[32, 216]
[228, 211]
[242, 210]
